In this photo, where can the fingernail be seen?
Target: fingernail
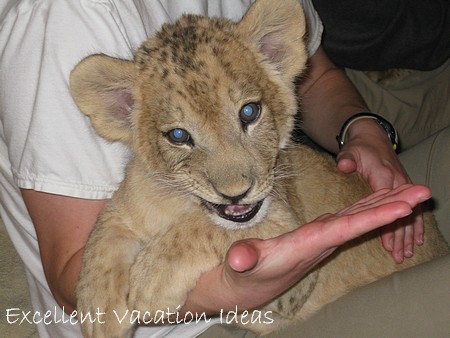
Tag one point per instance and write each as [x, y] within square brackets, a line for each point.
[409, 251]
[419, 241]
[400, 256]
[390, 244]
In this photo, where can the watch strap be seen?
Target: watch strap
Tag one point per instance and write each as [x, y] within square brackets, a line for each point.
[385, 124]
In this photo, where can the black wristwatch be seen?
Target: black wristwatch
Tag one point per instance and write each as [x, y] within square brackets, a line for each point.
[385, 124]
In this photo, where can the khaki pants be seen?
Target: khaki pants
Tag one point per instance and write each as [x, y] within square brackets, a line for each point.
[417, 103]
[415, 302]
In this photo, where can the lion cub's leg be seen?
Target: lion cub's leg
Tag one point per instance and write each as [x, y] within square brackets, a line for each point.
[103, 284]
[169, 266]
[281, 312]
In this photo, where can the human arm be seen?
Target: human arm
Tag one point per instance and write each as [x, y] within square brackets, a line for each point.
[51, 147]
[63, 225]
[329, 99]
[256, 271]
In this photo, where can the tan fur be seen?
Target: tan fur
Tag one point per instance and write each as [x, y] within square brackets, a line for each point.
[156, 238]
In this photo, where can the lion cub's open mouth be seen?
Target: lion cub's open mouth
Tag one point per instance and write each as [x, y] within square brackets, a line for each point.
[235, 212]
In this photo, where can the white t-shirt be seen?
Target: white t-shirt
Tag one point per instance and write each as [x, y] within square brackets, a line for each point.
[46, 144]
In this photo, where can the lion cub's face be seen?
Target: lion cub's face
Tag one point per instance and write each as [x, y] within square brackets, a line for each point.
[206, 105]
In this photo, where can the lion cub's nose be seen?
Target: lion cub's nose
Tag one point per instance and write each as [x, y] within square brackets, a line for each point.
[237, 198]
[231, 185]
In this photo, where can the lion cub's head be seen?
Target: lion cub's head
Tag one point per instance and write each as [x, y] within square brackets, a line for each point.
[207, 103]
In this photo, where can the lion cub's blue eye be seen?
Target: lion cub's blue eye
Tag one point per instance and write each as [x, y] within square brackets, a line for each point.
[249, 113]
[178, 136]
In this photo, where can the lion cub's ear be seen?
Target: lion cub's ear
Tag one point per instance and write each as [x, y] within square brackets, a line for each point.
[278, 30]
[101, 86]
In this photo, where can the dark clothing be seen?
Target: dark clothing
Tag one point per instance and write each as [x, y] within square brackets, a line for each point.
[383, 34]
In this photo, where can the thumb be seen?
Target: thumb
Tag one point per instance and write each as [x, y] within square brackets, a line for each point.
[242, 256]
[346, 162]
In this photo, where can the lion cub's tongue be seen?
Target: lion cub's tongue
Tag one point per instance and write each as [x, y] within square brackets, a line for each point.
[237, 209]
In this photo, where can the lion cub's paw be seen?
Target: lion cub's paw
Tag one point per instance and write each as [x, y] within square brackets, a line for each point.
[104, 314]
[157, 282]
[104, 284]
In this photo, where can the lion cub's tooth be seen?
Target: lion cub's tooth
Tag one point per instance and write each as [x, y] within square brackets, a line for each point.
[237, 209]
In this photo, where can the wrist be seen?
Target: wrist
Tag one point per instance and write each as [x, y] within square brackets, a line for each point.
[362, 124]
[365, 128]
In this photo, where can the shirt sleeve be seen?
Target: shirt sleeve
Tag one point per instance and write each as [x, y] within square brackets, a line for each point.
[52, 147]
[314, 26]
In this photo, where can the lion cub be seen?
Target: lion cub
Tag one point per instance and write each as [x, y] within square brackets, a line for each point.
[207, 107]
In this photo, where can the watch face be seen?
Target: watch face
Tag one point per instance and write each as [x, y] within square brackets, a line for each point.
[390, 130]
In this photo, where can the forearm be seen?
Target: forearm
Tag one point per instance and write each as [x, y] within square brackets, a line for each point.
[63, 225]
[328, 98]
[63, 286]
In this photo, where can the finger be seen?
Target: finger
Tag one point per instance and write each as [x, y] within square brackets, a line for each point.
[409, 241]
[398, 252]
[341, 229]
[346, 162]
[387, 238]
[375, 217]
[412, 194]
[371, 199]
[413, 231]
[403, 238]
[418, 226]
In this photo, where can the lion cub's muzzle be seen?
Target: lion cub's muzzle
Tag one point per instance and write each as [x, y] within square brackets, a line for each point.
[238, 199]
[239, 213]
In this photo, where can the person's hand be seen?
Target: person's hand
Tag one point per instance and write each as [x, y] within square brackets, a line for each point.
[256, 271]
[369, 151]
